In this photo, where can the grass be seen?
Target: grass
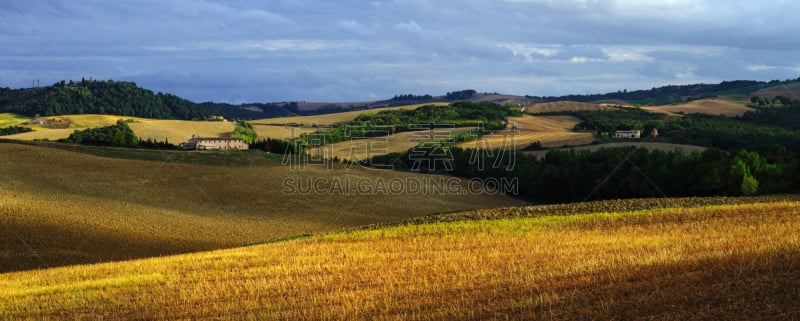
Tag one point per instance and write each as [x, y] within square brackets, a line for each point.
[712, 106]
[717, 262]
[60, 207]
[8, 119]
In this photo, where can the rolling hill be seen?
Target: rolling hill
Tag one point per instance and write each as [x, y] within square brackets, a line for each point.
[681, 262]
[563, 106]
[61, 207]
[551, 131]
[331, 119]
[711, 106]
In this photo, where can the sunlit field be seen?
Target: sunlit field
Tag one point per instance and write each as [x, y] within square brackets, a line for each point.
[715, 262]
[8, 119]
[60, 207]
[704, 106]
[550, 131]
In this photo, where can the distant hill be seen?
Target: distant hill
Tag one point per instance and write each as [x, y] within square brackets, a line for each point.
[127, 99]
[98, 97]
[672, 94]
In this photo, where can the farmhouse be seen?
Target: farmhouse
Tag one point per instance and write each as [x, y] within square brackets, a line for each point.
[628, 134]
[208, 143]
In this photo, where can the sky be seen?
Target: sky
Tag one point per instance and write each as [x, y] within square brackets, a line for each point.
[344, 51]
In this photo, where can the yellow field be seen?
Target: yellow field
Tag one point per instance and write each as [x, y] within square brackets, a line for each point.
[551, 131]
[178, 131]
[281, 132]
[717, 262]
[94, 121]
[8, 119]
[364, 149]
[564, 106]
[331, 119]
[175, 131]
[45, 133]
[59, 207]
[704, 106]
[685, 149]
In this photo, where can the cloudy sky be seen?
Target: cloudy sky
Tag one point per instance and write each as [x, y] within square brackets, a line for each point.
[259, 51]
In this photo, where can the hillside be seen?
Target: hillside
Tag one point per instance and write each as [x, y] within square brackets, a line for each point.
[791, 89]
[550, 131]
[332, 119]
[563, 106]
[98, 97]
[61, 207]
[707, 262]
[703, 106]
[673, 93]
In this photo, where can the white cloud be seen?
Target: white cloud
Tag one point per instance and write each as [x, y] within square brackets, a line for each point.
[410, 26]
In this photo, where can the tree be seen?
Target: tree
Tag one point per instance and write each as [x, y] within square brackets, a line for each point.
[246, 132]
[749, 185]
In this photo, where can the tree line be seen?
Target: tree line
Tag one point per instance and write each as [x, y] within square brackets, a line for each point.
[98, 97]
[11, 130]
[613, 173]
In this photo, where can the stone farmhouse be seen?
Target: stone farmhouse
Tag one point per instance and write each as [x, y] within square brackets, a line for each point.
[211, 143]
[631, 134]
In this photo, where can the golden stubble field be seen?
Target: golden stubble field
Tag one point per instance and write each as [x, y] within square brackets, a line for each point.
[59, 207]
[551, 131]
[364, 149]
[716, 262]
[564, 106]
[709, 106]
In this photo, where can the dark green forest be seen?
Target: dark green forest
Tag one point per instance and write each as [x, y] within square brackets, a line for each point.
[671, 94]
[763, 130]
[11, 130]
[119, 134]
[98, 97]
[612, 173]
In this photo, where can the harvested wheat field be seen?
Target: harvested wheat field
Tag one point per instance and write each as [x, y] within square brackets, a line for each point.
[93, 120]
[364, 149]
[59, 207]
[704, 106]
[281, 132]
[564, 106]
[332, 119]
[48, 134]
[714, 262]
[178, 131]
[551, 131]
